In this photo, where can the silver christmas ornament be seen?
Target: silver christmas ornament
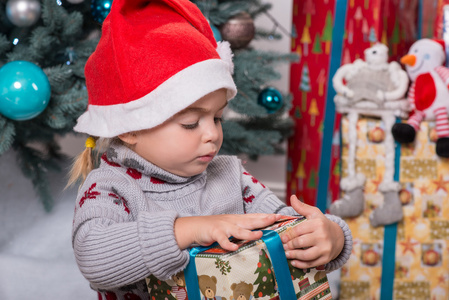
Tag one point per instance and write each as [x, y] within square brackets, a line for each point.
[23, 13]
[239, 30]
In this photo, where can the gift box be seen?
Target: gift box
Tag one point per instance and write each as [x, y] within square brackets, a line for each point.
[413, 262]
[326, 35]
[257, 270]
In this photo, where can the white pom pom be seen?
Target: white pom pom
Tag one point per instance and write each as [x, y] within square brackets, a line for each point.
[225, 52]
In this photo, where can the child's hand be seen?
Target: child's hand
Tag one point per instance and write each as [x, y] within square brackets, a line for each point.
[205, 230]
[314, 242]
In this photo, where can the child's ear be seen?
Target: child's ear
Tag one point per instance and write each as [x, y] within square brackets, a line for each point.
[129, 138]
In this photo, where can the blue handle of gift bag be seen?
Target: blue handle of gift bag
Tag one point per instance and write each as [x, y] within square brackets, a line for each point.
[278, 260]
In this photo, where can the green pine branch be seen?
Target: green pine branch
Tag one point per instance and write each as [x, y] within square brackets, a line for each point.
[7, 133]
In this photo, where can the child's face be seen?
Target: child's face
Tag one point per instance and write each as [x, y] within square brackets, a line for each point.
[185, 144]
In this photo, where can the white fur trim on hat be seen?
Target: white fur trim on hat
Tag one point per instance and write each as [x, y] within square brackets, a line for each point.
[225, 52]
[175, 94]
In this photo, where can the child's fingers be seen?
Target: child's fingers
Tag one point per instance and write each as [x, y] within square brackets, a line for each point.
[313, 227]
[306, 258]
[240, 234]
[226, 244]
[300, 242]
[304, 209]
[306, 264]
[244, 234]
[256, 221]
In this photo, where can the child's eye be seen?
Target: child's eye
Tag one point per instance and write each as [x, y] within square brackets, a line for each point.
[190, 126]
[218, 119]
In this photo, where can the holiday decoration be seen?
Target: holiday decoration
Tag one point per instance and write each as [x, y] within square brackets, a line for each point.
[255, 270]
[377, 88]
[376, 135]
[238, 30]
[330, 34]
[429, 93]
[370, 257]
[431, 257]
[271, 99]
[25, 90]
[23, 13]
[100, 9]
[33, 116]
[418, 249]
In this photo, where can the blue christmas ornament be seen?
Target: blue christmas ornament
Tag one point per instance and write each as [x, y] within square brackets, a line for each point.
[24, 90]
[216, 32]
[100, 9]
[271, 99]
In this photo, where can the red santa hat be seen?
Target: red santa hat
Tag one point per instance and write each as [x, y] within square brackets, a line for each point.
[442, 55]
[441, 42]
[154, 59]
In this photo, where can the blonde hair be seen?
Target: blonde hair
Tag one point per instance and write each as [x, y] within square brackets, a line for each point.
[85, 162]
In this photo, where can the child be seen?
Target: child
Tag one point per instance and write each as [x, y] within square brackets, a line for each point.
[158, 84]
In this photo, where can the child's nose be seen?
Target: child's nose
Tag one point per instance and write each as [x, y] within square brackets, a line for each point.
[211, 132]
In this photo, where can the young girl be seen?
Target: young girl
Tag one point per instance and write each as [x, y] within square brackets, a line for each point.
[158, 84]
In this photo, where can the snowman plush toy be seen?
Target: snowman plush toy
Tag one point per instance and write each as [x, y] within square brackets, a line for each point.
[428, 94]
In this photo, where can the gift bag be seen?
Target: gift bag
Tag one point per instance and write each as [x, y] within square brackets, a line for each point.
[418, 253]
[327, 35]
[257, 270]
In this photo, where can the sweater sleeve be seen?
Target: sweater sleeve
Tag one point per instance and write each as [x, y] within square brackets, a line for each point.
[264, 201]
[117, 242]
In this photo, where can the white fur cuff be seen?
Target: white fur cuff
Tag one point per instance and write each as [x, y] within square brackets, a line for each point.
[350, 183]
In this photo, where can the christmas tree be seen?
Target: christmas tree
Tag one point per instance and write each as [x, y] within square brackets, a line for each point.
[160, 290]
[43, 49]
[265, 278]
[52, 40]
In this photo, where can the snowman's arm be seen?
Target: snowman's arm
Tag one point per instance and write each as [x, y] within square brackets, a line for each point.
[337, 81]
[443, 72]
[411, 95]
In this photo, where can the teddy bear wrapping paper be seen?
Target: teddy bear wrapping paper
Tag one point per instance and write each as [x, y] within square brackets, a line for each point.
[422, 242]
[245, 274]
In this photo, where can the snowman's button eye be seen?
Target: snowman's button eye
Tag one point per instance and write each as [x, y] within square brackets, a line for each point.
[374, 52]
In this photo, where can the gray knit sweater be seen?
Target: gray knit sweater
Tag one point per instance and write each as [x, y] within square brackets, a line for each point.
[125, 210]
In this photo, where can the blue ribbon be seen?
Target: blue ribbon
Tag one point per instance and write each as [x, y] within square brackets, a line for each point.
[420, 19]
[390, 232]
[278, 260]
[191, 276]
[329, 114]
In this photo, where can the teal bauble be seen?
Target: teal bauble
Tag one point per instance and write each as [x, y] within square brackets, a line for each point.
[216, 32]
[24, 90]
[271, 99]
[100, 9]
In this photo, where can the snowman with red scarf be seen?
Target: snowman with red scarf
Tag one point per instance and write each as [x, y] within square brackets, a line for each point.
[428, 94]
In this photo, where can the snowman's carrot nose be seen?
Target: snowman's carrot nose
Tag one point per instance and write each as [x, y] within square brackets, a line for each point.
[408, 59]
